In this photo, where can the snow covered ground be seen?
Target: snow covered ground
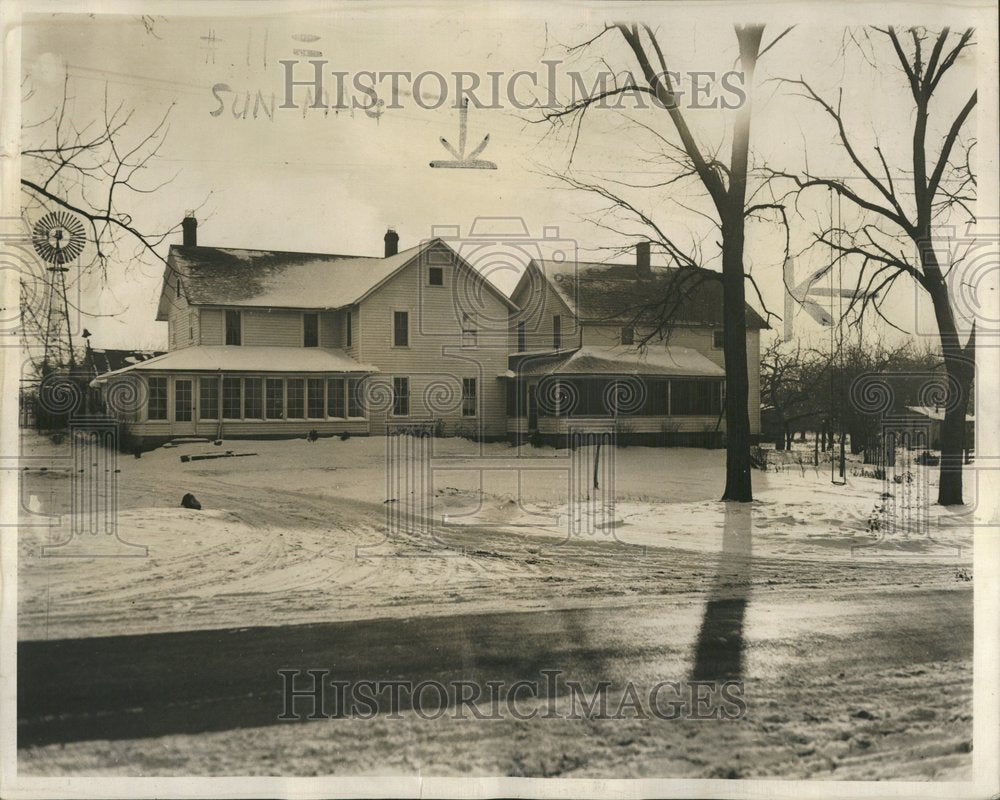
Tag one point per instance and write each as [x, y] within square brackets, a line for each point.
[297, 533]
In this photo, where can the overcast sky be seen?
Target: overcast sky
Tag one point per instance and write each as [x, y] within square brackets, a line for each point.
[332, 182]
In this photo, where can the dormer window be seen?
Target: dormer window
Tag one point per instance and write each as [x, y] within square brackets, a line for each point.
[627, 335]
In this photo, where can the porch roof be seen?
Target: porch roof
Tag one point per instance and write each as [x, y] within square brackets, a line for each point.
[220, 358]
[668, 361]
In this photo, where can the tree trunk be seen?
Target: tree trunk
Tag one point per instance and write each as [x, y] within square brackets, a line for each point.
[960, 366]
[961, 372]
[732, 216]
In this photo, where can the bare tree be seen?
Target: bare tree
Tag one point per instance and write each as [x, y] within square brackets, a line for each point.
[791, 380]
[899, 208]
[92, 168]
[726, 184]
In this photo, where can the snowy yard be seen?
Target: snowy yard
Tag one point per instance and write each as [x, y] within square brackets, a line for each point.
[297, 534]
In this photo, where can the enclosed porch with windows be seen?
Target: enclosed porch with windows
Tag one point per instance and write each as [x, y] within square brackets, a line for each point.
[245, 395]
[676, 396]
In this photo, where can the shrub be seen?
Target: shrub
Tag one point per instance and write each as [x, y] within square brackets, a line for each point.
[758, 458]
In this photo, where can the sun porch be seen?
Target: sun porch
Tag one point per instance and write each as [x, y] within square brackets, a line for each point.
[674, 396]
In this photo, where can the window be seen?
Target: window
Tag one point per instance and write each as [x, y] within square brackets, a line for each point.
[253, 407]
[695, 397]
[310, 330]
[355, 408]
[296, 398]
[469, 406]
[231, 405]
[435, 276]
[315, 401]
[718, 339]
[401, 329]
[183, 400]
[627, 335]
[400, 397]
[190, 329]
[470, 335]
[274, 398]
[556, 332]
[348, 333]
[522, 339]
[156, 404]
[656, 398]
[335, 398]
[234, 327]
[208, 398]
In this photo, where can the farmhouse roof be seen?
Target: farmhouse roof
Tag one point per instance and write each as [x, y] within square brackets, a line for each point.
[227, 276]
[598, 292]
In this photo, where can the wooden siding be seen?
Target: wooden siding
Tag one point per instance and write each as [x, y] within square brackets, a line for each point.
[435, 360]
[537, 314]
[213, 326]
[182, 322]
[272, 327]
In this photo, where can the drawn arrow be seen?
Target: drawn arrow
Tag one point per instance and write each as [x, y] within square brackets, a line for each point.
[461, 161]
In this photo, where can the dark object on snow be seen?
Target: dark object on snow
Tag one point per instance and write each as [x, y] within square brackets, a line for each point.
[345, 435]
[217, 442]
[190, 501]
[207, 456]
[312, 436]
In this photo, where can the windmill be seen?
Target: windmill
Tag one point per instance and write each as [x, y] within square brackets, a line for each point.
[58, 238]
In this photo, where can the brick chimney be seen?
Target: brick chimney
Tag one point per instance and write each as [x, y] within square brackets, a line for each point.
[642, 267]
[391, 242]
[190, 228]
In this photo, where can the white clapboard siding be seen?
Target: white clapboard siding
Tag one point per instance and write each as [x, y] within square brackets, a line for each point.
[435, 360]
[537, 316]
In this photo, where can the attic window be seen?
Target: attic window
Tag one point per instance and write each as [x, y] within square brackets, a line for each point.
[718, 340]
[627, 335]
[179, 295]
[435, 276]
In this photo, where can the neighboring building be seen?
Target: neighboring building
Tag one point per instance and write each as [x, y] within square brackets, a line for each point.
[272, 344]
[930, 419]
[275, 344]
[585, 346]
[98, 361]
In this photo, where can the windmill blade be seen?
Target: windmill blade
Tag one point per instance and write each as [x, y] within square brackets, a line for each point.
[817, 312]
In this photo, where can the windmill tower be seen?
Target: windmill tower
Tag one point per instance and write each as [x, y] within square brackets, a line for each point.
[58, 238]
